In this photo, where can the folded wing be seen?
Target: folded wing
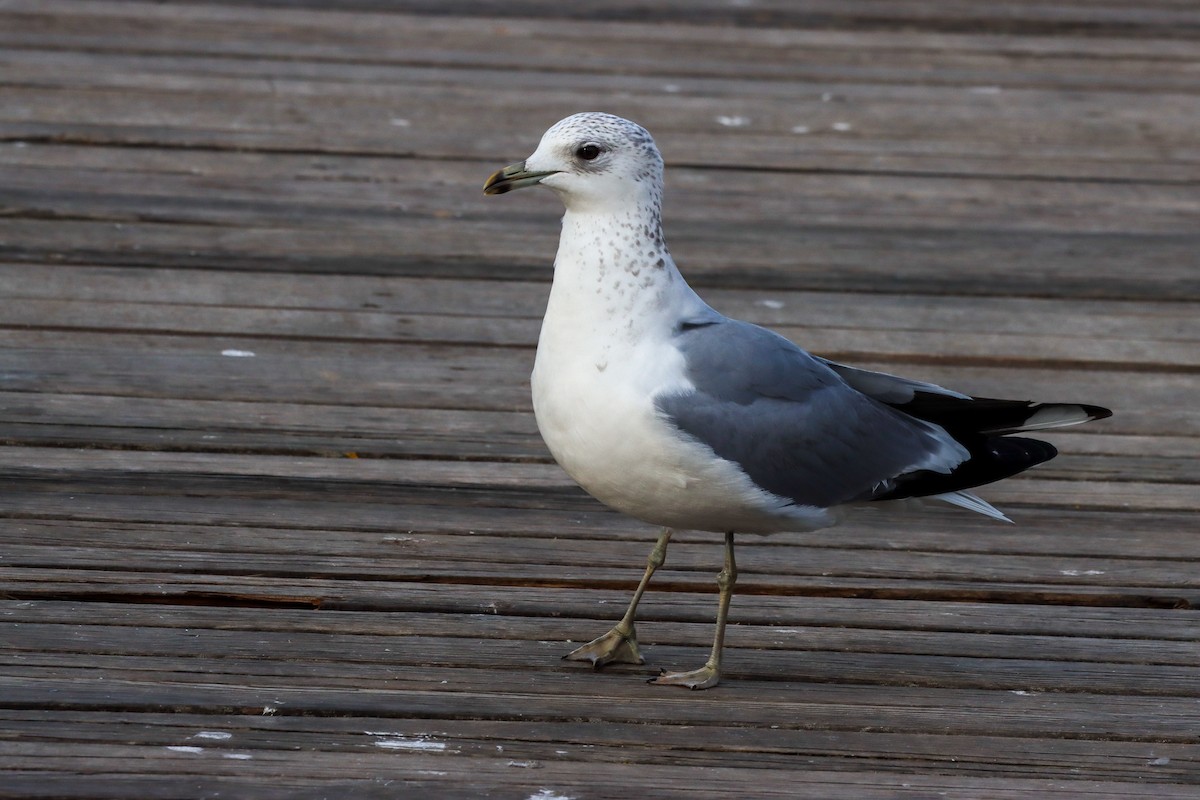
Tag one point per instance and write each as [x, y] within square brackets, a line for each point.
[822, 434]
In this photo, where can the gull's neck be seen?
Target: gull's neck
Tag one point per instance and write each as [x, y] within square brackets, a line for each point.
[614, 277]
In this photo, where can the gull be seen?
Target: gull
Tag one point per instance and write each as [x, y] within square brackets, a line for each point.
[664, 409]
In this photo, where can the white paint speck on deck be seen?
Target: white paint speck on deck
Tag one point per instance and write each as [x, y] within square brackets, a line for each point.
[237, 353]
[409, 744]
[392, 740]
[550, 794]
[217, 735]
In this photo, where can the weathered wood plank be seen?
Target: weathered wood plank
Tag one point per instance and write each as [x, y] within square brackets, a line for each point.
[470, 23]
[1142, 459]
[46, 631]
[351, 295]
[355, 475]
[366, 193]
[466, 40]
[1015, 12]
[376, 593]
[430, 558]
[424, 776]
[684, 601]
[392, 691]
[605, 46]
[1079, 18]
[834, 257]
[402, 662]
[1085, 351]
[855, 124]
[827, 615]
[371, 526]
[555, 739]
[366, 496]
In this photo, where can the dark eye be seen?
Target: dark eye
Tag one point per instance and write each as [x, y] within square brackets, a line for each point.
[588, 152]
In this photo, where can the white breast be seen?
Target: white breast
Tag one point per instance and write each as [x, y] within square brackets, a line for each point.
[595, 410]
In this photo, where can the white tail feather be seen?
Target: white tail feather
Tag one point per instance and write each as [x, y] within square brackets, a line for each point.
[971, 503]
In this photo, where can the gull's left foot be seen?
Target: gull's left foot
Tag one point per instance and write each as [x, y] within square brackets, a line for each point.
[706, 677]
[614, 647]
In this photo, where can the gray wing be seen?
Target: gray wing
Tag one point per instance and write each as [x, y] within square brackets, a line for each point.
[791, 422]
[886, 388]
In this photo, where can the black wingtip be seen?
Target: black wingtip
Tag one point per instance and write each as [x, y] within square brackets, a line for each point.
[992, 459]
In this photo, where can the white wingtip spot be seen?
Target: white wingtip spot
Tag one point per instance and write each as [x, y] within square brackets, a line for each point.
[1056, 416]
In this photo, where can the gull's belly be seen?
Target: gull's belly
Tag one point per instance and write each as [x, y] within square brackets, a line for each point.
[608, 436]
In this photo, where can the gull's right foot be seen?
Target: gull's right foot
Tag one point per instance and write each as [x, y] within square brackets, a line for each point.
[616, 646]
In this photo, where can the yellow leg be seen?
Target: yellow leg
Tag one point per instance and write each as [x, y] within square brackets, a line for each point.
[620, 644]
[709, 675]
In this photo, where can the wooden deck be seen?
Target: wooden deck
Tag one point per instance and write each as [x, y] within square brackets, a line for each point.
[276, 521]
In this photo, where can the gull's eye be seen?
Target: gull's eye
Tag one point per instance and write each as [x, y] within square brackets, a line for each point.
[588, 152]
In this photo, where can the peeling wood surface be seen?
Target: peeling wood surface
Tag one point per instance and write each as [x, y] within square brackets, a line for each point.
[277, 521]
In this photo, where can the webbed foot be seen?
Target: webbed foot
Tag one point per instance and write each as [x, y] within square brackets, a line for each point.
[706, 677]
[616, 646]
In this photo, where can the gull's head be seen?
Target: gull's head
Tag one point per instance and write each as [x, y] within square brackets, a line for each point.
[593, 161]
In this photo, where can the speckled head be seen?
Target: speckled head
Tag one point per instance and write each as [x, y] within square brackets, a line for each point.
[594, 161]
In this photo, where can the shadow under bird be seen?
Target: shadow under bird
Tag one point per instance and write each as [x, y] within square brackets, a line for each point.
[664, 409]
